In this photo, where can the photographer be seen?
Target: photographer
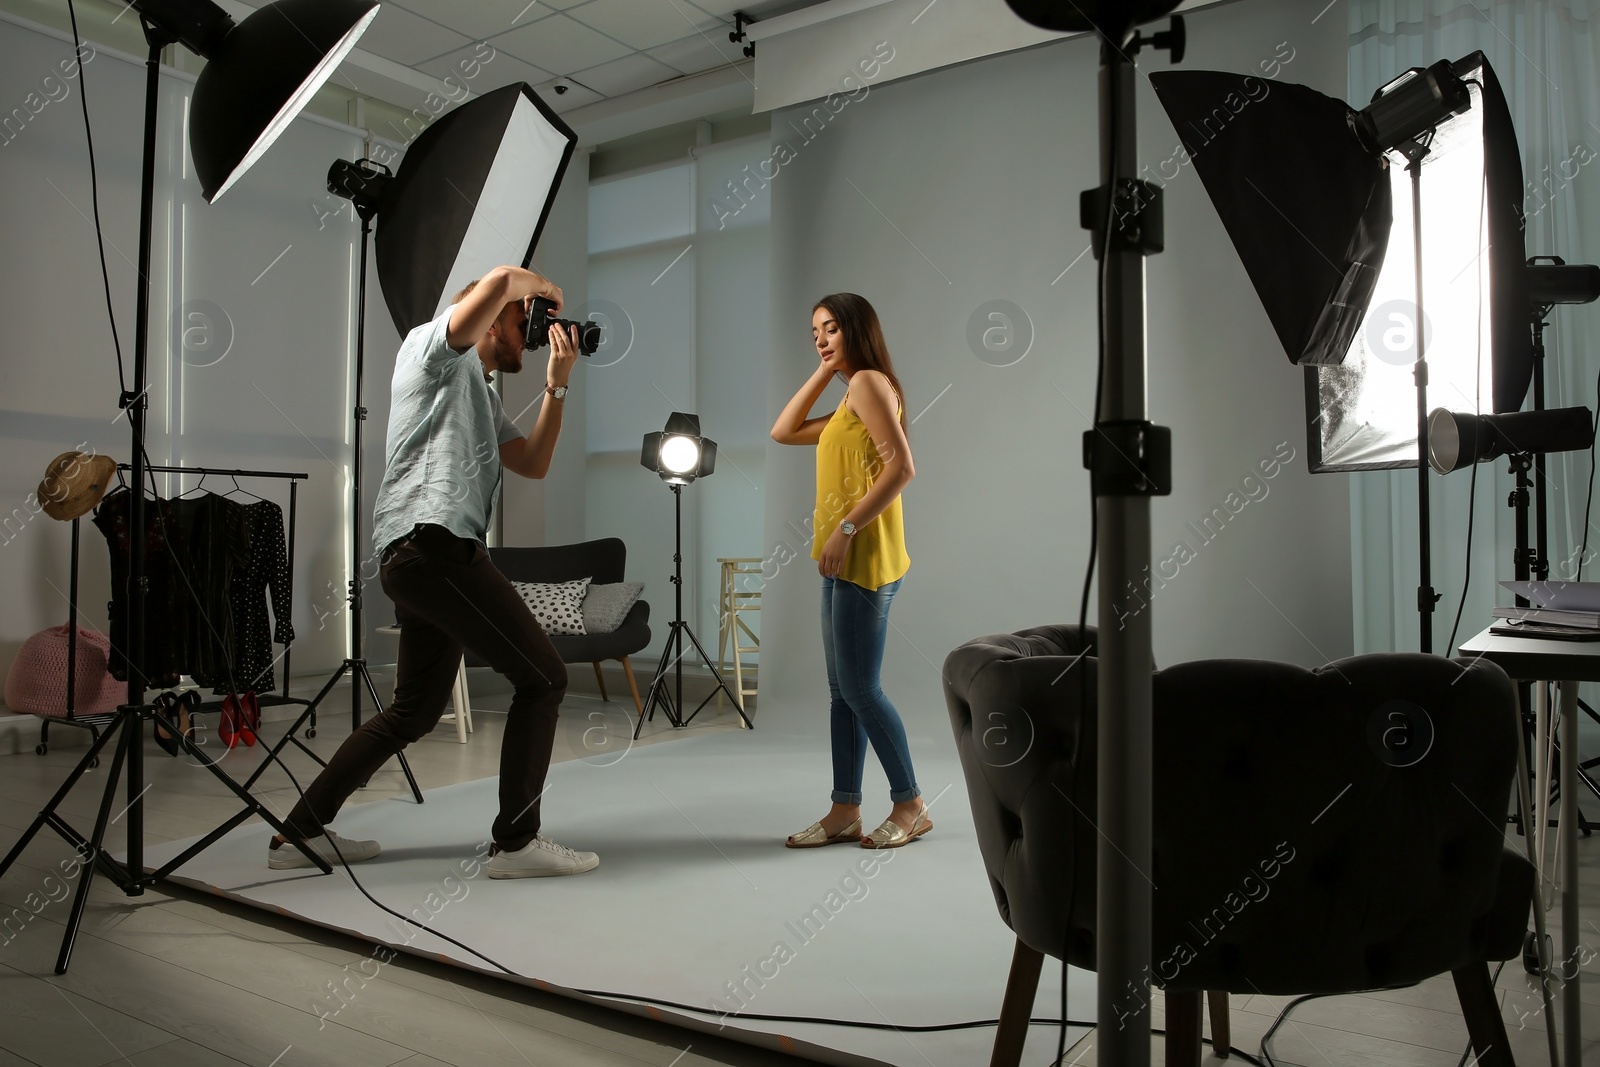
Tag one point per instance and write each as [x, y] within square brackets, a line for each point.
[448, 440]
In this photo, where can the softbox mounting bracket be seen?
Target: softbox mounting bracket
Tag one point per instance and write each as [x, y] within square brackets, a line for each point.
[1129, 457]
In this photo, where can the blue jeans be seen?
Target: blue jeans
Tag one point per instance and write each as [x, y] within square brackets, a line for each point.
[855, 628]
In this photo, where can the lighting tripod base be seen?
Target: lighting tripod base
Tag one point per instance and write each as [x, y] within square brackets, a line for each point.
[128, 729]
[658, 685]
[357, 667]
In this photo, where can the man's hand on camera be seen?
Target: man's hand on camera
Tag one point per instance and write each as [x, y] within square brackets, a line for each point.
[563, 354]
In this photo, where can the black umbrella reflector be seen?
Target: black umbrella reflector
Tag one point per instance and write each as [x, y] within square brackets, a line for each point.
[1362, 415]
[472, 193]
[1308, 210]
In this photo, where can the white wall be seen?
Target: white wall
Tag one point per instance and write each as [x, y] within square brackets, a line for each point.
[273, 268]
[263, 382]
[552, 511]
[935, 195]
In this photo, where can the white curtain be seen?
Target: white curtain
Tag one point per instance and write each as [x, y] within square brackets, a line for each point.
[1546, 56]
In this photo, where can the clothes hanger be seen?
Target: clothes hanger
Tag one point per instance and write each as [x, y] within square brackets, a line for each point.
[197, 487]
[237, 488]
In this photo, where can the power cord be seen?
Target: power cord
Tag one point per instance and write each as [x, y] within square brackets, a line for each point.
[94, 190]
[1588, 503]
[1477, 401]
[1283, 1017]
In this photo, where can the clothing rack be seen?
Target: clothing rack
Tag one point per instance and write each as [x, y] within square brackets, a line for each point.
[93, 722]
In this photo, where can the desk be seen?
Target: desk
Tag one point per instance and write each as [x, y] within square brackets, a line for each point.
[1534, 659]
[460, 696]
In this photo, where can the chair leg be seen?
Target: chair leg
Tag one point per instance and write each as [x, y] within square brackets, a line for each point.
[1183, 1027]
[1017, 1006]
[633, 686]
[1221, 1034]
[600, 680]
[1485, 1025]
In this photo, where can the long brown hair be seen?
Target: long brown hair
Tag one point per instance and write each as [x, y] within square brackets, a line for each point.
[864, 345]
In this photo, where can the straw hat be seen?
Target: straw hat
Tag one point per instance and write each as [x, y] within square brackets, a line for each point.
[74, 483]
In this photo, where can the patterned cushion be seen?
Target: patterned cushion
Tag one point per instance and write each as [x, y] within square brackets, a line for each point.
[607, 605]
[559, 608]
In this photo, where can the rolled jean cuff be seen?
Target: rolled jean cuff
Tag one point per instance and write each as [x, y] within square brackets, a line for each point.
[900, 796]
[841, 797]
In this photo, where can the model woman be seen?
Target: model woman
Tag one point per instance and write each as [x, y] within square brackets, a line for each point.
[863, 464]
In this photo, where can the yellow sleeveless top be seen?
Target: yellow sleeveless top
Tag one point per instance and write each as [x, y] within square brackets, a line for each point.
[847, 466]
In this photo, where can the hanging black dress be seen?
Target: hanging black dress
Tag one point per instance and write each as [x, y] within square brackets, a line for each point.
[267, 570]
[217, 539]
[166, 604]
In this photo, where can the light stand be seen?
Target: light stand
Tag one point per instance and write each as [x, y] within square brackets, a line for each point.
[361, 184]
[1130, 460]
[1426, 596]
[1403, 117]
[204, 28]
[1122, 500]
[679, 455]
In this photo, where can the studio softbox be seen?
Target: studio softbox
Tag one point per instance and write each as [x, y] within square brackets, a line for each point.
[1308, 210]
[472, 193]
[1323, 226]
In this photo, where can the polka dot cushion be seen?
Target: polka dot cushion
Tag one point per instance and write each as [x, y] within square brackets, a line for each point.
[559, 608]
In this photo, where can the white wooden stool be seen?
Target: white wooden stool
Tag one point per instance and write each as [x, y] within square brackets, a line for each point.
[731, 603]
[460, 696]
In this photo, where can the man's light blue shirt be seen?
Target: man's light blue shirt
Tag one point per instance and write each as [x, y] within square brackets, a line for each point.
[446, 427]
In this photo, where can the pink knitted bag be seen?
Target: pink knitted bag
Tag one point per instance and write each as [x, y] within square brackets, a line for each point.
[37, 684]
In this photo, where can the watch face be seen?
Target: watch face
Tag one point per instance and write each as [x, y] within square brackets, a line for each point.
[559, 392]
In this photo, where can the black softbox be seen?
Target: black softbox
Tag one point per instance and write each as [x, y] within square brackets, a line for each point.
[1308, 210]
[470, 191]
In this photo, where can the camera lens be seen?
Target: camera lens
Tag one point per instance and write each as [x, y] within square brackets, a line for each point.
[589, 338]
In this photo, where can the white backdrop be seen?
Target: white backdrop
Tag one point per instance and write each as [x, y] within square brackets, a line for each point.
[937, 195]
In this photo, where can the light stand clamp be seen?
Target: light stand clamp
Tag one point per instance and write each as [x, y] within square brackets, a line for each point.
[1129, 457]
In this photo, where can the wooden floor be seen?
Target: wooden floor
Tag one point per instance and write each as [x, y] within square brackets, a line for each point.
[174, 978]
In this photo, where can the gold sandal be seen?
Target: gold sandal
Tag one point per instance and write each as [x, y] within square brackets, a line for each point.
[814, 836]
[889, 835]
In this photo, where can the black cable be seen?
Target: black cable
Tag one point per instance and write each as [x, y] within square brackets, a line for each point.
[1466, 577]
[1589, 502]
[1477, 403]
[1094, 539]
[1266, 1038]
[1283, 1016]
[94, 190]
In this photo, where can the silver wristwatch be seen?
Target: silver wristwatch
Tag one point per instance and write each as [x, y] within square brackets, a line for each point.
[557, 391]
[847, 528]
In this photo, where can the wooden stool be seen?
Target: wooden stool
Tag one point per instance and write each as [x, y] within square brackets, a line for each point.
[460, 696]
[731, 603]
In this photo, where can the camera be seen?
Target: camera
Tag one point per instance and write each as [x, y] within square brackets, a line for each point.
[539, 323]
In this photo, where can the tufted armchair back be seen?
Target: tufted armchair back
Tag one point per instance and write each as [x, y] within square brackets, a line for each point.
[1315, 831]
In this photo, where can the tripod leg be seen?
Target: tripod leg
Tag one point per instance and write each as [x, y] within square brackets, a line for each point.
[658, 690]
[372, 691]
[722, 683]
[47, 813]
[129, 730]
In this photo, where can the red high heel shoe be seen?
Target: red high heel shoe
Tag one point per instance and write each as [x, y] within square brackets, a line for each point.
[250, 718]
[231, 727]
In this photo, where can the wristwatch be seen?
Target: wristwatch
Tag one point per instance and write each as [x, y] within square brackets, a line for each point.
[847, 528]
[557, 391]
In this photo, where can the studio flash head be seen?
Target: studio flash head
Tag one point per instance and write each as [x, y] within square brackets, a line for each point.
[539, 323]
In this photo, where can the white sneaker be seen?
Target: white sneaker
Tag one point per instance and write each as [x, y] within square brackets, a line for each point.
[286, 857]
[541, 858]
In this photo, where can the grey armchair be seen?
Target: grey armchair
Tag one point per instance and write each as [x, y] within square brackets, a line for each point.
[1299, 845]
[605, 561]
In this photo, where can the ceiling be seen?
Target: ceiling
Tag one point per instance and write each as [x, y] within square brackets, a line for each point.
[603, 48]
